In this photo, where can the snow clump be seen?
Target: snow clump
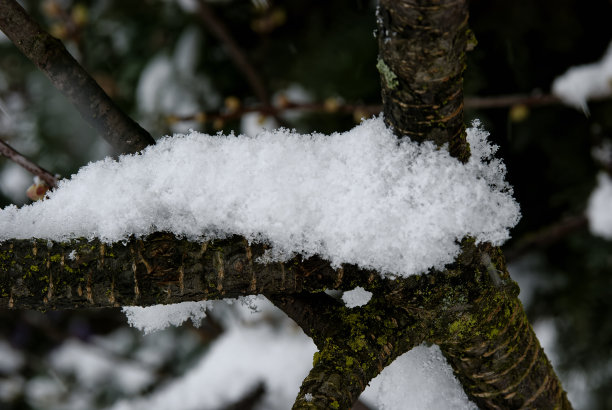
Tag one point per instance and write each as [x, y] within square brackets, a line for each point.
[361, 197]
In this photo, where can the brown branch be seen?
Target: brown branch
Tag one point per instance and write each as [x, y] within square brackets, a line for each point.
[486, 335]
[547, 236]
[67, 75]
[28, 165]
[422, 46]
[218, 29]
[504, 101]
[229, 115]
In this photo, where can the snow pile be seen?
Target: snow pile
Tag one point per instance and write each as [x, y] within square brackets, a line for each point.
[599, 209]
[358, 197]
[580, 83]
[153, 318]
[420, 379]
[356, 297]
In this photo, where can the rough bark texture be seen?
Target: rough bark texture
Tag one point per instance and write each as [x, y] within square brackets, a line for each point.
[161, 269]
[471, 309]
[491, 346]
[422, 45]
[67, 75]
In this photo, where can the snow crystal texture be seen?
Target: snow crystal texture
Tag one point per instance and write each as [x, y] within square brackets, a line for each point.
[359, 197]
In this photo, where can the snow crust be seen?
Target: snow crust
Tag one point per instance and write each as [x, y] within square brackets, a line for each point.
[599, 209]
[580, 83]
[360, 197]
[153, 318]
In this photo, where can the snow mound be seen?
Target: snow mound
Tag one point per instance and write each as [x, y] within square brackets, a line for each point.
[361, 197]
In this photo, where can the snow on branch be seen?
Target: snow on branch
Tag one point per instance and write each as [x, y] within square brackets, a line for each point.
[361, 197]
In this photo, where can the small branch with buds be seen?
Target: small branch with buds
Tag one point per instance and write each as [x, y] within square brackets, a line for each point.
[30, 166]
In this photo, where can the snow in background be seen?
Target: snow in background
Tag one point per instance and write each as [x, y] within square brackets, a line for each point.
[599, 209]
[254, 123]
[252, 350]
[169, 85]
[581, 83]
[358, 197]
[356, 297]
[94, 366]
[14, 181]
[153, 318]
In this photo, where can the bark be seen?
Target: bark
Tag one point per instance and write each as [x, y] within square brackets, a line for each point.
[160, 269]
[471, 309]
[67, 75]
[422, 45]
[491, 346]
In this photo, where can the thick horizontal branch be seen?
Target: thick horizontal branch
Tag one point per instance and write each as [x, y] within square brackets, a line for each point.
[67, 75]
[162, 269]
[471, 308]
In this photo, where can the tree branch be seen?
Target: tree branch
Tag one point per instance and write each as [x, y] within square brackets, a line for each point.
[161, 269]
[240, 59]
[28, 165]
[67, 75]
[487, 337]
[422, 48]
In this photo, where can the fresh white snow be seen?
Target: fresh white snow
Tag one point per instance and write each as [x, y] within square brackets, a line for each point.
[359, 197]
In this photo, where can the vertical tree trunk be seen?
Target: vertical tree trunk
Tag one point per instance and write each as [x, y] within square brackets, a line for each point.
[491, 345]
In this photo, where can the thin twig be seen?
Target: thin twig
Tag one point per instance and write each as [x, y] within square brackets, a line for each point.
[546, 236]
[67, 75]
[218, 29]
[30, 166]
[504, 101]
[211, 116]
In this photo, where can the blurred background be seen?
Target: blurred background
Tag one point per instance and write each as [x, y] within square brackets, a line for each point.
[237, 65]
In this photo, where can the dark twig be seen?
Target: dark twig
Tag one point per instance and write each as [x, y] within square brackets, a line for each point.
[67, 75]
[218, 29]
[504, 101]
[35, 169]
[547, 236]
[211, 116]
